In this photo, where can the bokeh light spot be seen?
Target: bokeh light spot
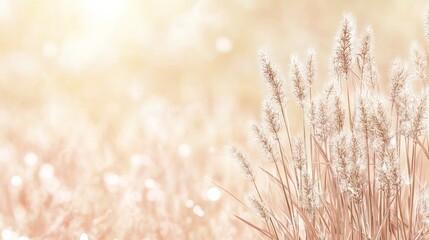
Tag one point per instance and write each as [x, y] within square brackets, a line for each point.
[213, 194]
[189, 203]
[140, 160]
[7, 234]
[149, 183]
[83, 236]
[224, 44]
[112, 181]
[31, 159]
[16, 181]
[184, 150]
[198, 211]
[46, 172]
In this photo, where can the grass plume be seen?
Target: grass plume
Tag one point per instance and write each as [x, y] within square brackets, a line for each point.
[345, 181]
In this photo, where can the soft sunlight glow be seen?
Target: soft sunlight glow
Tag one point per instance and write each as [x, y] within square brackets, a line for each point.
[4, 9]
[152, 124]
[79, 52]
[104, 12]
[50, 49]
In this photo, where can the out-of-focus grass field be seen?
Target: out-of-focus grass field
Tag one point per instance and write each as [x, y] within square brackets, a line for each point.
[116, 115]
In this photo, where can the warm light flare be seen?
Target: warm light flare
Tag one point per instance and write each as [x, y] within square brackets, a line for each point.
[104, 11]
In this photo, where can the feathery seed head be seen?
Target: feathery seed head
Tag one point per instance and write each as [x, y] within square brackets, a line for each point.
[380, 128]
[356, 182]
[311, 115]
[310, 67]
[243, 163]
[356, 168]
[365, 60]
[338, 114]
[331, 89]
[298, 154]
[300, 86]
[407, 108]
[423, 205]
[419, 60]
[259, 207]
[398, 78]
[355, 148]
[265, 143]
[323, 127]
[340, 159]
[343, 57]
[388, 175]
[309, 196]
[356, 179]
[273, 79]
[363, 114]
[271, 117]
[365, 50]
[395, 167]
[356, 152]
[419, 120]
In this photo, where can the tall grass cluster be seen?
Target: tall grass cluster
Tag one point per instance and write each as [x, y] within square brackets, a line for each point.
[355, 170]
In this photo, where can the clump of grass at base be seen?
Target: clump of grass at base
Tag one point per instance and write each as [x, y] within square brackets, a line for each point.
[354, 171]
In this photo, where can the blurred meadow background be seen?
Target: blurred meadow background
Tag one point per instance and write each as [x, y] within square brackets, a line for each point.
[116, 115]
